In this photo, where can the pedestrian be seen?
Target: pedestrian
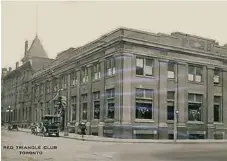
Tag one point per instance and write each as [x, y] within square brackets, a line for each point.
[83, 129]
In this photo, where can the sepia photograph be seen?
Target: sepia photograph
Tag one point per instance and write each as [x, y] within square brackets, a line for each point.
[113, 80]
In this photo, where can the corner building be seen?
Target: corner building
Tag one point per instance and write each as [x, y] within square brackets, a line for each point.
[128, 83]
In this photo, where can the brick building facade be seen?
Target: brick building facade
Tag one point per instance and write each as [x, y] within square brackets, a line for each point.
[128, 83]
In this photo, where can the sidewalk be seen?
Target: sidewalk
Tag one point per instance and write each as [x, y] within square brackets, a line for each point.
[116, 140]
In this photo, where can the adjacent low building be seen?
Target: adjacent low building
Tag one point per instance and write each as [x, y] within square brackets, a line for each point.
[128, 83]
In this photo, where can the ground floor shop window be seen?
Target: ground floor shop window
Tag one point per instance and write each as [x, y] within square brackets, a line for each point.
[84, 115]
[170, 136]
[145, 136]
[196, 136]
[218, 136]
[143, 109]
[96, 109]
[111, 109]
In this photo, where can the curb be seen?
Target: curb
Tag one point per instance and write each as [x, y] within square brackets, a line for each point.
[144, 141]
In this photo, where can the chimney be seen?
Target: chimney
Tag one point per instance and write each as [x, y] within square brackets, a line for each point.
[26, 48]
[10, 69]
[17, 65]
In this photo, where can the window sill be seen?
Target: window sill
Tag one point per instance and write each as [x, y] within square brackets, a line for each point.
[144, 120]
[218, 123]
[110, 76]
[144, 76]
[217, 85]
[84, 83]
[96, 80]
[170, 121]
[109, 120]
[193, 82]
[195, 122]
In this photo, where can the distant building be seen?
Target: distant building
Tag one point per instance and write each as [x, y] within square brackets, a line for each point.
[128, 83]
[16, 84]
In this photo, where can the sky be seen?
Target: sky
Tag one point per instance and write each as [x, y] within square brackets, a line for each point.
[61, 25]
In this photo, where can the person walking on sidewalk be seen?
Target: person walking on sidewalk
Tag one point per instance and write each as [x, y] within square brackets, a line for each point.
[83, 129]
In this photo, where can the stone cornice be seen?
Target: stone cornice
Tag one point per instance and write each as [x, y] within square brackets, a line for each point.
[174, 48]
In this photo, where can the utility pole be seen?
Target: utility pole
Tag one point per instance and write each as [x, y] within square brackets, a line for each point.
[176, 111]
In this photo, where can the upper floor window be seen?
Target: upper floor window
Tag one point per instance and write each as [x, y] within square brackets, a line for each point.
[195, 73]
[217, 76]
[64, 81]
[144, 66]
[84, 75]
[96, 71]
[48, 87]
[110, 67]
[73, 78]
[54, 84]
[41, 89]
[171, 71]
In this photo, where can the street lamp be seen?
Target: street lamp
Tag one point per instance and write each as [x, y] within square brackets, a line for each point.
[9, 110]
[176, 113]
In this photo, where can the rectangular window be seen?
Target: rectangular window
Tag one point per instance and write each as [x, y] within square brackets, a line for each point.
[96, 72]
[73, 78]
[195, 73]
[170, 105]
[144, 104]
[171, 71]
[194, 107]
[110, 103]
[110, 67]
[96, 102]
[84, 106]
[144, 66]
[84, 75]
[217, 109]
[217, 75]
[73, 108]
[84, 116]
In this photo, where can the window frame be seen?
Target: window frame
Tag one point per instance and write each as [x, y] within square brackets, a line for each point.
[194, 101]
[170, 100]
[144, 60]
[220, 109]
[194, 73]
[146, 100]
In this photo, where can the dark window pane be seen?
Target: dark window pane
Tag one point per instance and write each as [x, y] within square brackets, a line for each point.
[170, 114]
[171, 67]
[199, 71]
[194, 112]
[84, 115]
[96, 109]
[143, 110]
[216, 113]
[170, 95]
[111, 110]
[191, 69]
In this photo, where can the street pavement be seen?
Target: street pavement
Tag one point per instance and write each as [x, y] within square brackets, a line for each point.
[77, 150]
